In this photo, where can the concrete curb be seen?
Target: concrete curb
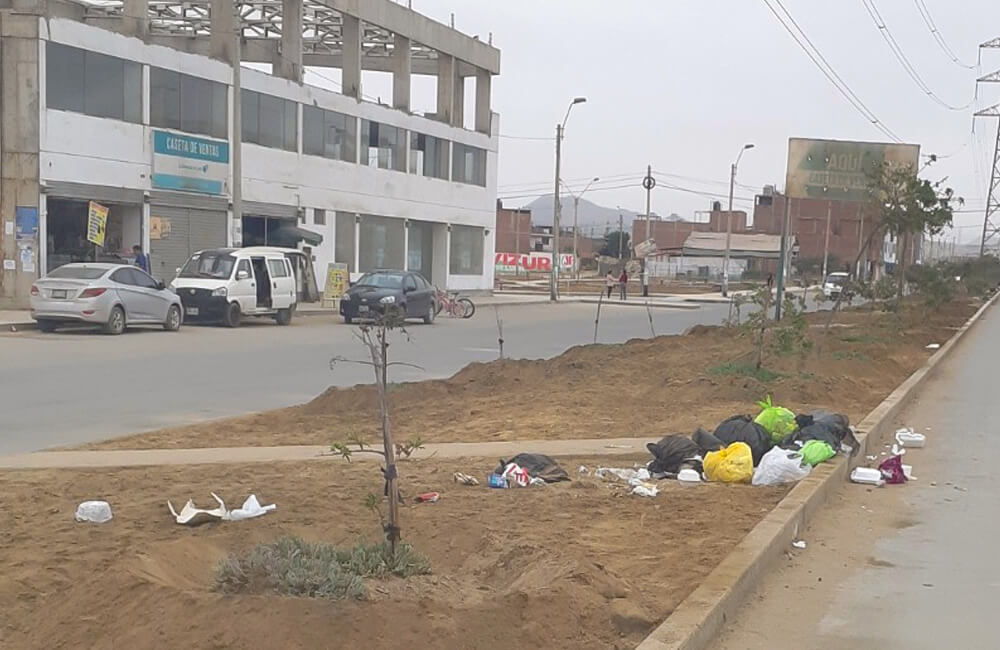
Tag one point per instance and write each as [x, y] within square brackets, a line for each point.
[699, 617]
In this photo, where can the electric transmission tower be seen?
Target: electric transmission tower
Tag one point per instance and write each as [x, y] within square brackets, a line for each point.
[991, 223]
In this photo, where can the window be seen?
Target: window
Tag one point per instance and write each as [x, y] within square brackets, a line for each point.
[209, 265]
[277, 268]
[343, 236]
[466, 255]
[329, 134]
[269, 121]
[381, 243]
[140, 279]
[91, 83]
[469, 165]
[244, 267]
[319, 217]
[77, 272]
[409, 284]
[179, 101]
[428, 156]
[123, 276]
[383, 146]
[382, 280]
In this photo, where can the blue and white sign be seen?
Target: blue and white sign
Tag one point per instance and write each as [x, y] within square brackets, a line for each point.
[189, 164]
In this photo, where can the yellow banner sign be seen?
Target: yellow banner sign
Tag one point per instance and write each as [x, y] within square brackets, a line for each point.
[337, 279]
[97, 223]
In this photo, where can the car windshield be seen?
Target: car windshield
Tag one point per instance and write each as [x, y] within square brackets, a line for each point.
[381, 280]
[837, 280]
[209, 265]
[77, 272]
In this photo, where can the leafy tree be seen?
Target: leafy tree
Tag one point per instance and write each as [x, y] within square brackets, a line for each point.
[610, 247]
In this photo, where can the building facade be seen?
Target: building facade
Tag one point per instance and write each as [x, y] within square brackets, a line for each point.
[129, 112]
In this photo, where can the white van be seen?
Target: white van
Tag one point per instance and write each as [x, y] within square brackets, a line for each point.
[226, 284]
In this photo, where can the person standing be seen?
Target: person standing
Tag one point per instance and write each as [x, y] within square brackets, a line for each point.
[623, 282]
[141, 259]
[610, 282]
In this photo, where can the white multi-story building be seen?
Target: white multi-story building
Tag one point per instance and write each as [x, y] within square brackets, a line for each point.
[130, 105]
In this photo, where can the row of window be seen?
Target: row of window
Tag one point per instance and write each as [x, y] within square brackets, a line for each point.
[380, 244]
[104, 86]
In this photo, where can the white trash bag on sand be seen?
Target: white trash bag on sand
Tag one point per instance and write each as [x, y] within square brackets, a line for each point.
[780, 466]
[191, 515]
[96, 512]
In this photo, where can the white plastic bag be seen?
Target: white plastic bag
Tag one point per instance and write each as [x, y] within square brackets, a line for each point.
[780, 466]
[96, 512]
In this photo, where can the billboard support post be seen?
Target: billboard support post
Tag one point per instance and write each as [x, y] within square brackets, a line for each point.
[826, 240]
[782, 262]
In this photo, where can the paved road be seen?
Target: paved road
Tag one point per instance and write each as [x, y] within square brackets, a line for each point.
[67, 388]
[904, 567]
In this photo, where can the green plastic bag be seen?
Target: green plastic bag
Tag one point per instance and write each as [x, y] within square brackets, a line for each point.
[815, 452]
[777, 420]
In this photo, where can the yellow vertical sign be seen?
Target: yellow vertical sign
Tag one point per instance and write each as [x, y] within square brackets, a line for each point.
[97, 223]
[336, 282]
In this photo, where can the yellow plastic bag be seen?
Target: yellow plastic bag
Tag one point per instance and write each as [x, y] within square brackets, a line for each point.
[734, 464]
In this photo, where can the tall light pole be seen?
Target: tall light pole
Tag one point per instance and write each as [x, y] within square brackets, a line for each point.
[576, 225]
[729, 221]
[557, 207]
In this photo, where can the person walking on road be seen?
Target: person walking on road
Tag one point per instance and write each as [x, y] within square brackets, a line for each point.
[623, 282]
[610, 281]
[141, 259]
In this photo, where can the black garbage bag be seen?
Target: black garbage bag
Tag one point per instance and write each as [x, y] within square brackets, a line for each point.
[537, 466]
[705, 441]
[742, 428]
[831, 428]
[672, 454]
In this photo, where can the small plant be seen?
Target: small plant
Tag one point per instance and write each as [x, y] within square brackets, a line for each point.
[745, 370]
[291, 566]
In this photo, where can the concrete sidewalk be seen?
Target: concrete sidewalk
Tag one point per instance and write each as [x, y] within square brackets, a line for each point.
[150, 457]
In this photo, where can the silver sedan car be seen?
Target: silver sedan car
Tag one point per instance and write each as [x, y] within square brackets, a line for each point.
[114, 296]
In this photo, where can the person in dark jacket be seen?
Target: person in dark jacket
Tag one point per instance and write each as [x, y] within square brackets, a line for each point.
[141, 259]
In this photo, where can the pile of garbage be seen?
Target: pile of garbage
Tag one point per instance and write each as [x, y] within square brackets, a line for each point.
[775, 447]
[892, 470]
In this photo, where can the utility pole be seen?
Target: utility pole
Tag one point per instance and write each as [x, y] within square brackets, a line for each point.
[649, 183]
[783, 261]
[237, 148]
[621, 233]
[826, 239]
[862, 262]
[556, 213]
[729, 221]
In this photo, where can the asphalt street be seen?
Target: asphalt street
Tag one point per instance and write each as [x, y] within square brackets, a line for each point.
[74, 387]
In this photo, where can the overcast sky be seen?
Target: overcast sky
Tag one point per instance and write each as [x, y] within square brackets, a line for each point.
[683, 84]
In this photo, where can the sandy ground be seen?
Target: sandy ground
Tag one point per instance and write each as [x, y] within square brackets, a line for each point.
[644, 387]
[577, 564]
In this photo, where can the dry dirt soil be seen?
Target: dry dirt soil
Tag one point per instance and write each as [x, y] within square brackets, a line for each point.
[642, 388]
[572, 565]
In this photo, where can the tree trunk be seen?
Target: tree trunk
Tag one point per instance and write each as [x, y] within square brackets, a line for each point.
[391, 475]
[763, 328]
[840, 296]
[901, 267]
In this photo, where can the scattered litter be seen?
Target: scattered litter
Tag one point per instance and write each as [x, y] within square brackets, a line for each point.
[465, 479]
[623, 474]
[617, 446]
[780, 466]
[688, 476]
[734, 464]
[961, 489]
[191, 515]
[497, 481]
[537, 482]
[892, 470]
[583, 470]
[909, 438]
[872, 457]
[908, 472]
[540, 465]
[645, 490]
[428, 497]
[933, 483]
[867, 476]
[516, 475]
[96, 512]
[897, 450]
[799, 543]
[934, 346]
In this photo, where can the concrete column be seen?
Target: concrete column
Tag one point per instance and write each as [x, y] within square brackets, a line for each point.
[445, 87]
[135, 21]
[401, 71]
[458, 102]
[19, 143]
[288, 62]
[484, 92]
[223, 24]
[351, 35]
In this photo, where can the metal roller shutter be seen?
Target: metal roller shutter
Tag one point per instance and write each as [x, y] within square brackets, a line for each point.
[97, 193]
[191, 230]
[255, 209]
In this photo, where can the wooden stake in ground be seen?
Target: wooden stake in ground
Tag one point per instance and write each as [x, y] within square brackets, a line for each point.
[499, 330]
[597, 321]
[649, 312]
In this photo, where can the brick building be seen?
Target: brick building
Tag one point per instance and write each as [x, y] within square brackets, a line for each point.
[672, 234]
[513, 230]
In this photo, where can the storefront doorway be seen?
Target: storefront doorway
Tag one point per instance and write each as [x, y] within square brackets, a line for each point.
[66, 232]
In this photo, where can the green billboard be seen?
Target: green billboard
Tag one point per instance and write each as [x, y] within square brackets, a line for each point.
[838, 170]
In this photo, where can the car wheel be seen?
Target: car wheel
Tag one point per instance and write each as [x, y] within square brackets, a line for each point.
[284, 316]
[47, 325]
[116, 322]
[173, 322]
[431, 313]
[233, 315]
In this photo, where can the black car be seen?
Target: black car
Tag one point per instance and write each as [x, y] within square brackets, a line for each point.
[379, 292]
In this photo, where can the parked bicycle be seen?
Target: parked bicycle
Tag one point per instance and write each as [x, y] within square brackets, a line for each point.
[451, 304]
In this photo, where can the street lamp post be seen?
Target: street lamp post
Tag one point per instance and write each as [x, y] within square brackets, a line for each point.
[576, 222]
[557, 207]
[729, 221]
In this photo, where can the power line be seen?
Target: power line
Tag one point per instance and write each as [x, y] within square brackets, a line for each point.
[547, 185]
[897, 51]
[938, 38]
[828, 71]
